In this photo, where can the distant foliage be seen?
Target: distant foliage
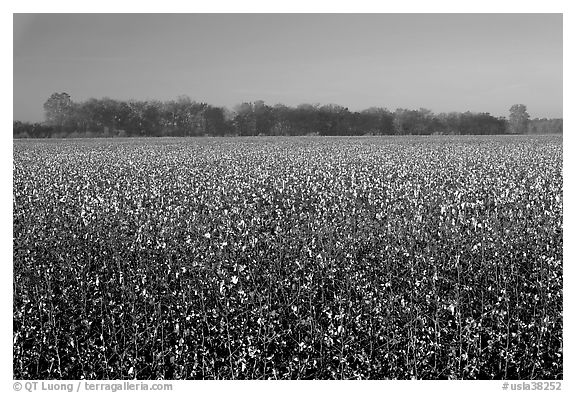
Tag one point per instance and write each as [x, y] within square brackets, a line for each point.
[329, 258]
[59, 111]
[107, 117]
[519, 119]
[32, 130]
[545, 126]
[183, 117]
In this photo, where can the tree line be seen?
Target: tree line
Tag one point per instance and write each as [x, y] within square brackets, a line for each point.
[107, 117]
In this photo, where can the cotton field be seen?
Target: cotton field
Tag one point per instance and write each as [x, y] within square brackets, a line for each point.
[288, 258]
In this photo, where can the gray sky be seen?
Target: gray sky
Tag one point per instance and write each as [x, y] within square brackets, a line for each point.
[443, 62]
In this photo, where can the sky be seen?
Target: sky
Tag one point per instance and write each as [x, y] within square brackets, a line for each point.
[442, 62]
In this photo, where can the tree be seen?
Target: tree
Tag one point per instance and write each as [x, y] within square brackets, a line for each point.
[215, 123]
[377, 121]
[263, 117]
[281, 115]
[57, 110]
[245, 121]
[411, 122]
[519, 119]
